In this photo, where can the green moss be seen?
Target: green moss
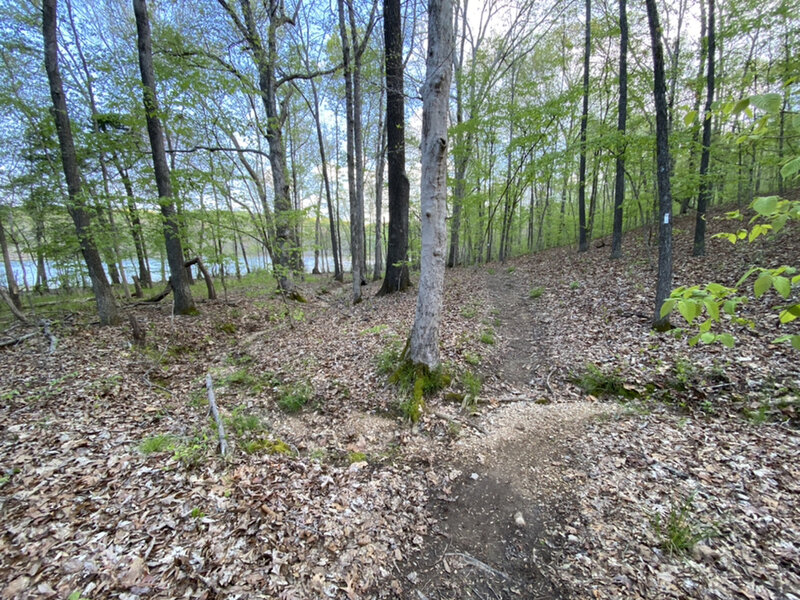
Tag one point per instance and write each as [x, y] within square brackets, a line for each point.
[415, 382]
[354, 457]
[267, 446]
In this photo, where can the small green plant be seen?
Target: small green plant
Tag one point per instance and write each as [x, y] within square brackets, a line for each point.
[536, 293]
[511, 269]
[268, 446]
[354, 457]
[487, 337]
[574, 285]
[77, 595]
[469, 312]
[598, 382]
[377, 329]
[472, 388]
[227, 327]
[318, 454]
[240, 422]
[759, 416]
[157, 443]
[388, 359]
[192, 453]
[293, 397]
[197, 513]
[677, 531]
[472, 359]
[490, 271]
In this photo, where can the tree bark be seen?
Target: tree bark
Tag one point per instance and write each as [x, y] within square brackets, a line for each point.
[380, 159]
[13, 289]
[583, 241]
[622, 116]
[396, 278]
[184, 304]
[104, 297]
[424, 342]
[664, 282]
[704, 195]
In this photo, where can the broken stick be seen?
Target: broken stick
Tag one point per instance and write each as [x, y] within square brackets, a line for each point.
[212, 405]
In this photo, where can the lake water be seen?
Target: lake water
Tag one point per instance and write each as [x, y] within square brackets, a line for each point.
[57, 274]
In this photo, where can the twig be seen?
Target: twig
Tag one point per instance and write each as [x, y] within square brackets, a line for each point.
[471, 560]
[547, 381]
[212, 404]
[460, 422]
[14, 341]
[46, 332]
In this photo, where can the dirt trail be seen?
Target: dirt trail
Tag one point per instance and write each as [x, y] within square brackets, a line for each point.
[512, 484]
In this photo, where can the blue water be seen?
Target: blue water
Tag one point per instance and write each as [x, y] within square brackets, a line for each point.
[56, 274]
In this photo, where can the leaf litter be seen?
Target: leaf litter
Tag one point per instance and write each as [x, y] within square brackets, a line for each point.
[576, 494]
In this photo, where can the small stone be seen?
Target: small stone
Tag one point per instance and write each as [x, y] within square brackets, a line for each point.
[474, 477]
[519, 519]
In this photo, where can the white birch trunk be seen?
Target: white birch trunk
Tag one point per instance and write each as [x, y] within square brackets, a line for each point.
[424, 346]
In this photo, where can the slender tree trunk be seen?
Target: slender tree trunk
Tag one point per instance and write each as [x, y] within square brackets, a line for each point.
[424, 342]
[13, 289]
[704, 196]
[396, 278]
[583, 241]
[358, 142]
[377, 270]
[664, 283]
[106, 304]
[182, 294]
[687, 195]
[622, 116]
[338, 272]
[356, 209]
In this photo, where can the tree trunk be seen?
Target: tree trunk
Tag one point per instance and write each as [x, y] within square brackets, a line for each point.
[664, 283]
[687, 195]
[180, 284]
[583, 242]
[622, 116]
[704, 196]
[13, 289]
[338, 273]
[380, 159]
[358, 135]
[265, 60]
[424, 343]
[356, 209]
[106, 305]
[396, 278]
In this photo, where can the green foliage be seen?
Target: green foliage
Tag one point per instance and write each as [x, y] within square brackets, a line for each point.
[157, 443]
[575, 285]
[268, 446]
[721, 303]
[354, 457]
[77, 595]
[293, 397]
[388, 359]
[377, 329]
[598, 382]
[472, 359]
[678, 532]
[536, 293]
[227, 327]
[240, 423]
[192, 453]
[487, 337]
[469, 312]
[197, 513]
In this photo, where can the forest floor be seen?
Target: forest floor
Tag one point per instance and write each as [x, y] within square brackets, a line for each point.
[577, 453]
